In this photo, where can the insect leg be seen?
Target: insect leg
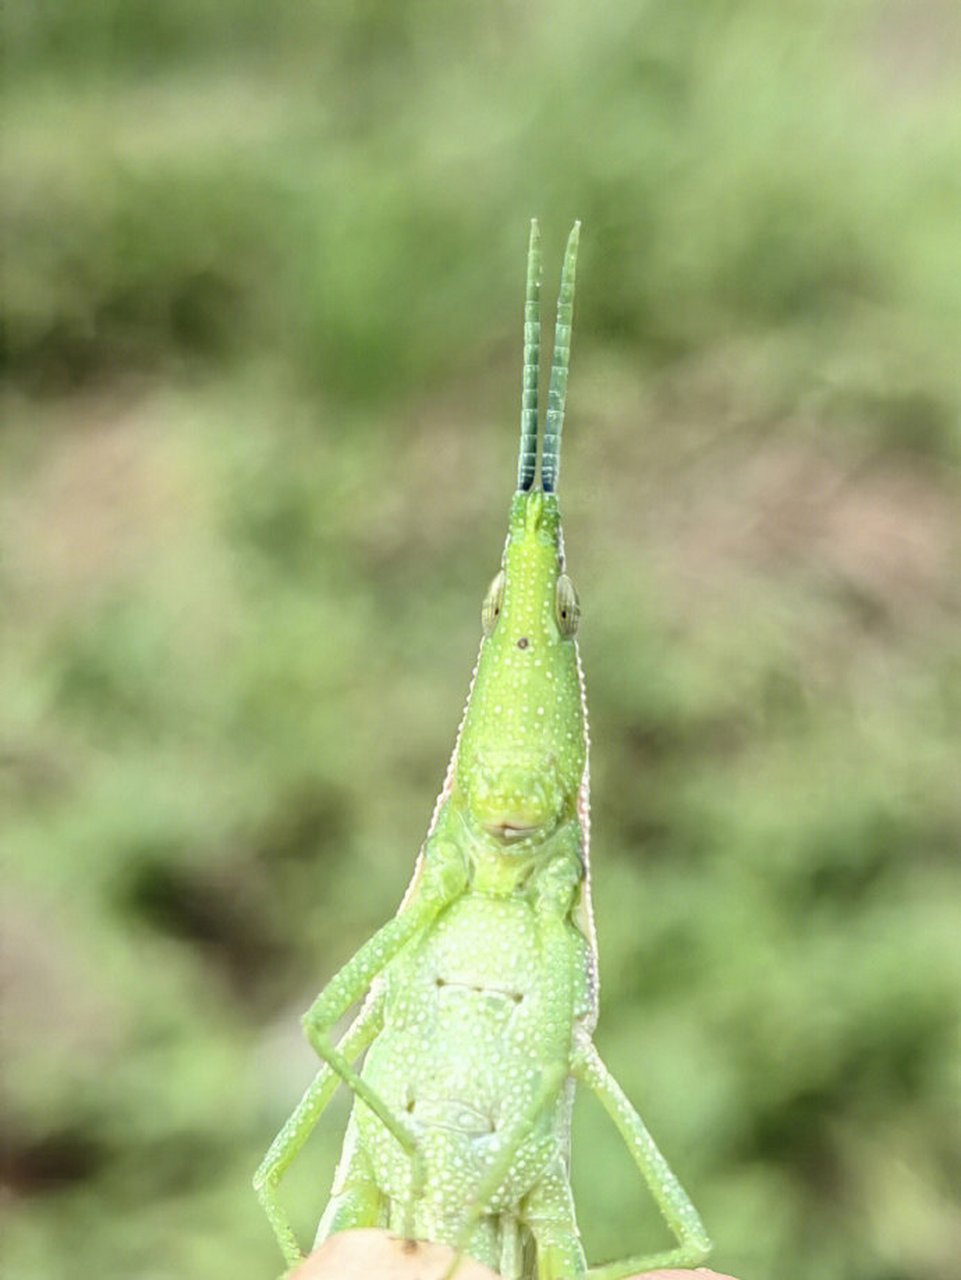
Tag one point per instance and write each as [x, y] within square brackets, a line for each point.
[444, 878]
[299, 1126]
[693, 1242]
[491, 1183]
[511, 1248]
[356, 1200]
[549, 1213]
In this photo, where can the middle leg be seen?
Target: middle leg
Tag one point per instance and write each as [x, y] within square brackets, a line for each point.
[549, 1213]
[356, 1200]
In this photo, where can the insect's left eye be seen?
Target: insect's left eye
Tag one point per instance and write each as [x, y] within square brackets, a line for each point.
[567, 606]
[493, 603]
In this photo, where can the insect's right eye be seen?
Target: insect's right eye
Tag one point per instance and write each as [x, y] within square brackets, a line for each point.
[493, 601]
[567, 607]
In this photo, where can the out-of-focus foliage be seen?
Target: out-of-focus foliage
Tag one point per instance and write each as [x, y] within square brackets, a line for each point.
[263, 272]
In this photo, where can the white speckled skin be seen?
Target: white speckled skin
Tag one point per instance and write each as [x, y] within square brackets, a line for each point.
[480, 1008]
[462, 1053]
[480, 995]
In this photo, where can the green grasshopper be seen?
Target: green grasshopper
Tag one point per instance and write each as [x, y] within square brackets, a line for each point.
[480, 995]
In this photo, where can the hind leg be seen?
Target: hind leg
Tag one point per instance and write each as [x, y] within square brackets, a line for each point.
[693, 1243]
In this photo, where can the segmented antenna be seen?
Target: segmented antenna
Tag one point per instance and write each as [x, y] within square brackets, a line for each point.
[557, 392]
[527, 458]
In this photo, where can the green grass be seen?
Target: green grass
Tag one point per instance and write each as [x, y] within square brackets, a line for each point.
[262, 288]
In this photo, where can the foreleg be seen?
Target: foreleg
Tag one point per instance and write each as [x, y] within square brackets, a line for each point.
[444, 879]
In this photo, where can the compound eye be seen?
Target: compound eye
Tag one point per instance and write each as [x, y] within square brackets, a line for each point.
[567, 607]
[493, 602]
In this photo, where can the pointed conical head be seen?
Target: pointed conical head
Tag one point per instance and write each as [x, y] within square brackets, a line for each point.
[522, 751]
[523, 747]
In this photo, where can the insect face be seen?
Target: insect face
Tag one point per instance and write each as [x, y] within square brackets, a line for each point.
[522, 751]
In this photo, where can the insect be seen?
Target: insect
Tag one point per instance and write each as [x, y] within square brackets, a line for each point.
[480, 995]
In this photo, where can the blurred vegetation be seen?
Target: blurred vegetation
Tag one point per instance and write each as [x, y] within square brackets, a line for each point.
[262, 285]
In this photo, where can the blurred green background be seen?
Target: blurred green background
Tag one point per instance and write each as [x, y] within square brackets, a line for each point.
[263, 285]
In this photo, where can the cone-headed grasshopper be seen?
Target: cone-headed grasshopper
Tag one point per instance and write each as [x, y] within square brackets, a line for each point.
[481, 993]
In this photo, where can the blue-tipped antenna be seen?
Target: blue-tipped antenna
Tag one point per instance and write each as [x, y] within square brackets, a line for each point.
[527, 458]
[557, 393]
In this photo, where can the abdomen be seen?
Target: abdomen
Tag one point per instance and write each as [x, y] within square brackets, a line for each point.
[474, 1026]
